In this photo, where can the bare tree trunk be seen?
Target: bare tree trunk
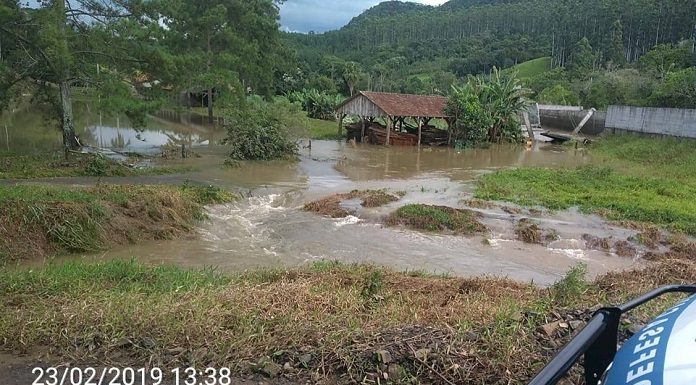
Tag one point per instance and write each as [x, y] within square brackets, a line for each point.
[210, 106]
[63, 72]
[69, 140]
[210, 89]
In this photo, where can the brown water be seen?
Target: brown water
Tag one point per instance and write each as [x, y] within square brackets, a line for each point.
[269, 228]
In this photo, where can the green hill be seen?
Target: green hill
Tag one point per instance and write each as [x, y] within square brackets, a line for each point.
[531, 68]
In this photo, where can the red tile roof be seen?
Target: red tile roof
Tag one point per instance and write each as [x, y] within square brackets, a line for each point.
[406, 105]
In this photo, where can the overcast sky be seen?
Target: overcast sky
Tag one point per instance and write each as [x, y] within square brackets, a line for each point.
[325, 15]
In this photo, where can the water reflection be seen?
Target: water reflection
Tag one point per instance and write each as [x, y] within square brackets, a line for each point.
[27, 129]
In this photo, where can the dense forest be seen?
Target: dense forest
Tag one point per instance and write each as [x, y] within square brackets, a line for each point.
[135, 56]
[599, 52]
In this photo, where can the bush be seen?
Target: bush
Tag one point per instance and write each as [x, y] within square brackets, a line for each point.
[558, 95]
[677, 91]
[97, 166]
[317, 104]
[261, 130]
[488, 109]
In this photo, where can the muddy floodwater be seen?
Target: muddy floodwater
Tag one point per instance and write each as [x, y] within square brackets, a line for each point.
[268, 228]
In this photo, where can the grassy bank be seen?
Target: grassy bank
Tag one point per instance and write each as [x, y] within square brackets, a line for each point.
[40, 221]
[633, 179]
[326, 323]
[53, 164]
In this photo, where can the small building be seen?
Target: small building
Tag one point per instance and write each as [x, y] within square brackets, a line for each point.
[394, 109]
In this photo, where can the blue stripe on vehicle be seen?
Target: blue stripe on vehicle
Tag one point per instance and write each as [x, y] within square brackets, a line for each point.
[641, 360]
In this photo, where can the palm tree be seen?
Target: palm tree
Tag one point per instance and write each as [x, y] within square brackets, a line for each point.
[352, 72]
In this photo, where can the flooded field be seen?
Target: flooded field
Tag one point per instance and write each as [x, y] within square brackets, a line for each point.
[269, 228]
[26, 129]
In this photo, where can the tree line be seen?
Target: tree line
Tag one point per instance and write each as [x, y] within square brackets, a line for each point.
[637, 51]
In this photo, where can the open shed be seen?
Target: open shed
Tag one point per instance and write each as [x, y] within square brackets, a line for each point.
[394, 108]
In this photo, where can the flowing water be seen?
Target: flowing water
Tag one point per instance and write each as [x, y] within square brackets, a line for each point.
[269, 228]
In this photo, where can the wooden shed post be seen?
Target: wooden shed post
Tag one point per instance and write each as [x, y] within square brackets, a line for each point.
[362, 129]
[341, 116]
[389, 128]
[420, 128]
[449, 130]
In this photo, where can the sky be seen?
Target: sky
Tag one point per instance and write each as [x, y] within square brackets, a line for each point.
[325, 15]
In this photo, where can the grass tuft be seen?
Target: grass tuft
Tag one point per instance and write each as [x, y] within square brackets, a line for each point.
[436, 218]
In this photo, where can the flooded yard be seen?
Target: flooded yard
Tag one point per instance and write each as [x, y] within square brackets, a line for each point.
[269, 228]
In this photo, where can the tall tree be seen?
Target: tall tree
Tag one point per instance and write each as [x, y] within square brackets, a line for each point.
[352, 72]
[223, 45]
[616, 53]
[60, 44]
[582, 60]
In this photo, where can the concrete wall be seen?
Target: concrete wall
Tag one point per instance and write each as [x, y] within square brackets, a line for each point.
[554, 107]
[567, 120]
[654, 121]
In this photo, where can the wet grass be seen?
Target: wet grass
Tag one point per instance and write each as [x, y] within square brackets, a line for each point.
[323, 129]
[38, 221]
[600, 190]
[53, 164]
[436, 218]
[664, 158]
[635, 180]
[326, 321]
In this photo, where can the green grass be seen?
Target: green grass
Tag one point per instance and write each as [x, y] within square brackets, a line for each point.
[639, 179]
[120, 276]
[436, 218]
[53, 164]
[531, 68]
[317, 129]
[667, 158]
[323, 129]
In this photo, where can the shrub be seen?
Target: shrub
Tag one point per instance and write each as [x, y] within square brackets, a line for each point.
[317, 104]
[97, 166]
[261, 130]
[558, 94]
[488, 109]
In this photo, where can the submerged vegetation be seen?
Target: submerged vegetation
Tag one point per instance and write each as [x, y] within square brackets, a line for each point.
[436, 218]
[325, 322]
[261, 130]
[42, 221]
[331, 206]
[642, 180]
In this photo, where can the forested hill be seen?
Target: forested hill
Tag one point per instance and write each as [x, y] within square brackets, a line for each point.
[407, 47]
[390, 8]
[553, 26]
